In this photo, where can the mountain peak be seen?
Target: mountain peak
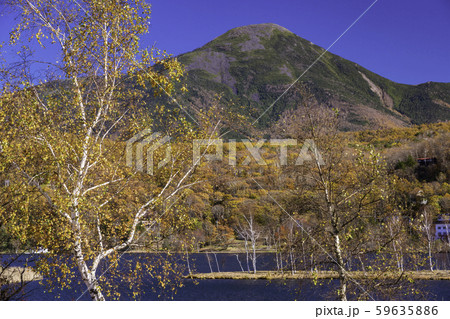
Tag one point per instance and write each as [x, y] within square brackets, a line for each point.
[253, 65]
[261, 29]
[250, 36]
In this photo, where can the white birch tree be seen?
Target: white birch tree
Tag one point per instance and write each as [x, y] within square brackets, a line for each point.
[65, 139]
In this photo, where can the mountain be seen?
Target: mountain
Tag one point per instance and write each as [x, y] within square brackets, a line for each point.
[252, 66]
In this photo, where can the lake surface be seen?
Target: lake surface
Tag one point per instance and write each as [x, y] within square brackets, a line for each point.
[232, 290]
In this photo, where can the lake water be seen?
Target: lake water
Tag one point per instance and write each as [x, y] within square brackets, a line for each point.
[233, 290]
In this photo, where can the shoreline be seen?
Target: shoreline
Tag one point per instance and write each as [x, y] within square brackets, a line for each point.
[269, 275]
[14, 275]
[19, 274]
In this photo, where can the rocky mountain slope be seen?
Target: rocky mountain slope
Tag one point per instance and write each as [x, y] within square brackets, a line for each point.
[252, 66]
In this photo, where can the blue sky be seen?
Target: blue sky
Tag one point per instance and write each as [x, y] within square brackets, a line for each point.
[407, 41]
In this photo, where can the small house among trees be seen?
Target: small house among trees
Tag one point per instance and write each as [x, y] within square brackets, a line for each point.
[425, 161]
[442, 227]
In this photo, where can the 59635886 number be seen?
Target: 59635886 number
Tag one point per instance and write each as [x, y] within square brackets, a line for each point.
[406, 311]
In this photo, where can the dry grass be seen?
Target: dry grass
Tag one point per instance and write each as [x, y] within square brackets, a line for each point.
[19, 274]
[268, 275]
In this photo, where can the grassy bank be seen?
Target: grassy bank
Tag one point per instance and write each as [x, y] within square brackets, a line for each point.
[268, 275]
[19, 274]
